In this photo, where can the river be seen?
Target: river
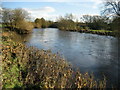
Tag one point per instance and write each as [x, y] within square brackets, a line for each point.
[91, 53]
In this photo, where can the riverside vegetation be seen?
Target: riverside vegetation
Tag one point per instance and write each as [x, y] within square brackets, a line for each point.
[28, 67]
[92, 24]
[18, 20]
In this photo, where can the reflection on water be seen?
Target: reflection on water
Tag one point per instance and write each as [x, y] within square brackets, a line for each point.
[87, 52]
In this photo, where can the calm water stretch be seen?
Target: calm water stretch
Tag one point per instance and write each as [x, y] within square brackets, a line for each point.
[91, 53]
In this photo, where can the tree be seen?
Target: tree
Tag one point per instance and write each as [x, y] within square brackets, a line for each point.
[16, 19]
[115, 25]
[96, 22]
[112, 7]
[87, 18]
[66, 23]
[42, 23]
[7, 17]
[69, 16]
[38, 23]
[20, 15]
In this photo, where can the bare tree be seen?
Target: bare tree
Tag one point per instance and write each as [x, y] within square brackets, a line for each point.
[69, 16]
[112, 7]
[7, 16]
[95, 22]
[87, 18]
[20, 15]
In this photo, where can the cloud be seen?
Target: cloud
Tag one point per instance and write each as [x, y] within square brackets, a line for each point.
[96, 3]
[41, 10]
[0, 8]
[45, 12]
[49, 13]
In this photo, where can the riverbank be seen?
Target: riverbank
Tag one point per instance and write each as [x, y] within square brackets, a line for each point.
[18, 30]
[28, 67]
[99, 32]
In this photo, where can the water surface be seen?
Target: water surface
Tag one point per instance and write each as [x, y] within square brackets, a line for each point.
[92, 53]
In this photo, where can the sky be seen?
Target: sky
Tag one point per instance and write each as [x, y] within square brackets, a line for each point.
[53, 9]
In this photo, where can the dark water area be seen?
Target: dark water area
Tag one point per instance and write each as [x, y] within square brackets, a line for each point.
[91, 53]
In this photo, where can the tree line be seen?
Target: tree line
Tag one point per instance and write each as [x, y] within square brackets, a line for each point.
[19, 20]
[108, 21]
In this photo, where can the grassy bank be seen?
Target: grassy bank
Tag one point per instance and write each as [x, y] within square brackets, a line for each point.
[28, 67]
[99, 32]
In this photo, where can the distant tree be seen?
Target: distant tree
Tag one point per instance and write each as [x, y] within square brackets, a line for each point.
[87, 18]
[66, 22]
[44, 23]
[37, 20]
[112, 7]
[69, 17]
[38, 23]
[96, 22]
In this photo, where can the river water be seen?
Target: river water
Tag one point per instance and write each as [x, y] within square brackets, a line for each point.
[91, 53]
